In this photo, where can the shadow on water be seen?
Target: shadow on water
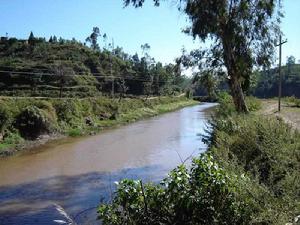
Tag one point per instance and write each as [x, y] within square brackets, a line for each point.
[35, 202]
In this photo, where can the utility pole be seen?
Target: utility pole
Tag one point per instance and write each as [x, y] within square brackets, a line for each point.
[279, 72]
[113, 78]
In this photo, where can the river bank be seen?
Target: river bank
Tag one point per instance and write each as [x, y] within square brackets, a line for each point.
[27, 122]
[249, 174]
[79, 173]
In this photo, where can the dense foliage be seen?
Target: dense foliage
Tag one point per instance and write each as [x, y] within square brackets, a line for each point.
[203, 194]
[265, 83]
[249, 175]
[242, 34]
[267, 152]
[67, 68]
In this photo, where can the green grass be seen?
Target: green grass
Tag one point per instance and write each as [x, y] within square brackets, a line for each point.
[292, 101]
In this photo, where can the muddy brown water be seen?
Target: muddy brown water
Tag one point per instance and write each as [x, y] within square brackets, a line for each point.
[77, 174]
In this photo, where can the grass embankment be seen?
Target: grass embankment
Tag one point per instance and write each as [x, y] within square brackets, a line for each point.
[264, 152]
[25, 120]
[249, 175]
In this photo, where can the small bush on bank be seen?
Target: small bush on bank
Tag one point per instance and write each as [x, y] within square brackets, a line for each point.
[254, 104]
[33, 122]
[5, 118]
[68, 111]
[293, 101]
[75, 132]
[226, 106]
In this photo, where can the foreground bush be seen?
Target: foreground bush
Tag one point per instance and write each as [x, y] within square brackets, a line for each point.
[203, 194]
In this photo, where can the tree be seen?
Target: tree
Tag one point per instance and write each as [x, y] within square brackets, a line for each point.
[54, 39]
[208, 81]
[93, 38]
[64, 73]
[241, 32]
[105, 40]
[31, 38]
[145, 49]
[122, 87]
[291, 60]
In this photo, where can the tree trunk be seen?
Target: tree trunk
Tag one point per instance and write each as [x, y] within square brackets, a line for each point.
[238, 95]
[233, 72]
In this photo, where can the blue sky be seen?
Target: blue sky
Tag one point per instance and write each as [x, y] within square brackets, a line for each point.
[129, 27]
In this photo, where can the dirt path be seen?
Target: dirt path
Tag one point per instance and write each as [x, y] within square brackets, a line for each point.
[289, 114]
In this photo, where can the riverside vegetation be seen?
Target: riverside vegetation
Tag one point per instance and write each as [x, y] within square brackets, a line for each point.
[249, 175]
[26, 119]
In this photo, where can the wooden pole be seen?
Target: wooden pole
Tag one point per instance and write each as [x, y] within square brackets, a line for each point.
[280, 78]
[279, 73]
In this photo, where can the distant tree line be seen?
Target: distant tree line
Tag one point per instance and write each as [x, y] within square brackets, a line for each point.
[265, 83]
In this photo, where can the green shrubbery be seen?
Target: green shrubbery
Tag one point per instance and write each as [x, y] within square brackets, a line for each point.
[268, 152]
[4, 118]
[203, 194]
[226, 106]
[33, 122]
[249, 175]
[293, 101]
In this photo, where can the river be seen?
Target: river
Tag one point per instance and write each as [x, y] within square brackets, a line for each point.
[77, 174]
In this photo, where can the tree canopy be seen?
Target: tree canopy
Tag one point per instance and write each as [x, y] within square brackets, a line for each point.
[242, 33]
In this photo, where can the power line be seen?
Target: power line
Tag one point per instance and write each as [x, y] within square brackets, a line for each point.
[76, 75]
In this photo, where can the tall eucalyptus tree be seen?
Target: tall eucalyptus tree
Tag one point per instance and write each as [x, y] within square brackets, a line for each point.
[242, 33]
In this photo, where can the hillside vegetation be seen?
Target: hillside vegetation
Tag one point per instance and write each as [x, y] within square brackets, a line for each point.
[58, 67]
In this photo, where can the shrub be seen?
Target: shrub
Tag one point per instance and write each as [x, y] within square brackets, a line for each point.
[33, 122]
[48, 108]
[253, 103]
[68, 111]
[202, 195]
[293, 101]
[267, 150]
[4, 117]
[75, 132]
[226, 106]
